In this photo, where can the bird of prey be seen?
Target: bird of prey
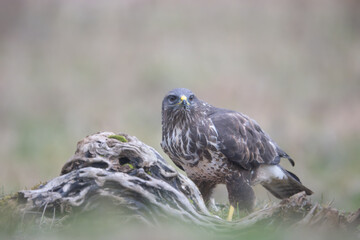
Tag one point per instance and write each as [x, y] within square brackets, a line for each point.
[219, 146]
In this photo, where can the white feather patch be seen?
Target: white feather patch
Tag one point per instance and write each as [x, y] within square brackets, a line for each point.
[266, 173]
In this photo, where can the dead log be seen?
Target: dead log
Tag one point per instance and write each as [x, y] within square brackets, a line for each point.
[124, 171]
[121, 171]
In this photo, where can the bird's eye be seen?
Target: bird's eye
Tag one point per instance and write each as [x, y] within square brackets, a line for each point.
[172, 98]
[191, 98]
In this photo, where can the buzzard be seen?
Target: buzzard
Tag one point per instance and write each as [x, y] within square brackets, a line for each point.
[219, 146]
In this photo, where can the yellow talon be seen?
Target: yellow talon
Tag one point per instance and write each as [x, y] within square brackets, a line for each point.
[231, 213]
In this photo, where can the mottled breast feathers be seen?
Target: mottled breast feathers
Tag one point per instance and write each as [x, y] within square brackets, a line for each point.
[198, 131]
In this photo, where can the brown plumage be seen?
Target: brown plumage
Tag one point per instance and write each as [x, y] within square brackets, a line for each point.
[214, 145]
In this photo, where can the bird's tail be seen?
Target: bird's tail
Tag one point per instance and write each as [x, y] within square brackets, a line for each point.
[282, 183]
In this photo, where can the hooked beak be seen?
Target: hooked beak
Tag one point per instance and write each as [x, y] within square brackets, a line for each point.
[184, 102]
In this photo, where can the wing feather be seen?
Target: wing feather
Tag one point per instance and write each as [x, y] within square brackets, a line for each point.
[243, 141]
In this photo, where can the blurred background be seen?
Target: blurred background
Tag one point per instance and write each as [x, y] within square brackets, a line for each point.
[72, 68]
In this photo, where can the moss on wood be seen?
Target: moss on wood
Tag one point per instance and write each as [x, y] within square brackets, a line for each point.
[119, 138]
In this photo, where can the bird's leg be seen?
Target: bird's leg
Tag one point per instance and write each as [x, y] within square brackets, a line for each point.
[206, 189]
[231, 213]
[241, 195]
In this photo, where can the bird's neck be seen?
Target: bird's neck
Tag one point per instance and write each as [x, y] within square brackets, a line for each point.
[185, 119]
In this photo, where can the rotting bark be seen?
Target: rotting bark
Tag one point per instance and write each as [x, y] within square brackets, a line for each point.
[133, 177]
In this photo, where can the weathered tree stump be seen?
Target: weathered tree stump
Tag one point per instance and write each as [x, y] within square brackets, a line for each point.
[125, 172]
[121, 171]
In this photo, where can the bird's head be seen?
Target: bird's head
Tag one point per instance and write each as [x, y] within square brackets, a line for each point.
[179, 101]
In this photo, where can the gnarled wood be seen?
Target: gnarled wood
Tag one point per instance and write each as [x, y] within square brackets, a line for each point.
[122, 171]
